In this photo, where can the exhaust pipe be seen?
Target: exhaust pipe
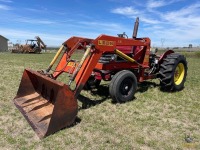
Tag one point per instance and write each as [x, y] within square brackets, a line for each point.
[135, 30]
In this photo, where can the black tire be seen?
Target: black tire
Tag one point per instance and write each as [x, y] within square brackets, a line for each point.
[123, 86]
[173, 72]
[37, 50]
[92, 83]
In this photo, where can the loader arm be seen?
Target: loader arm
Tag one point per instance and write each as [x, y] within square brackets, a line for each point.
[40, 42]
[71, 45]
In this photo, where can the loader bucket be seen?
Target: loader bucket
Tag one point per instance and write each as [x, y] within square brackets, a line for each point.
[48, 105]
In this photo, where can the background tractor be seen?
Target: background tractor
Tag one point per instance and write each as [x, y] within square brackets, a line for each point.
[31, 46]
[50, 105]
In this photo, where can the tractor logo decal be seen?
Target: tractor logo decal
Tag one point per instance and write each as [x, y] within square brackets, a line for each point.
[105, 43]
[71, 64]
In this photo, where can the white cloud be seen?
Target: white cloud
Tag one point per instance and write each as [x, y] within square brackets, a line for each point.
[34, 21]
[34, 10]
[131, 12]
[53, 39]
[155, 4]
[149, 20]
[21, 35]
[4, 7]
[182, 26]
[178, 28]
[6, 1]
[175, 36]
[185, 17]
[126, 11]
[160, 3]
[103, 26]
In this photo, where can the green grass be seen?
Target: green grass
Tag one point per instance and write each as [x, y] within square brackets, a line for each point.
[153, 120]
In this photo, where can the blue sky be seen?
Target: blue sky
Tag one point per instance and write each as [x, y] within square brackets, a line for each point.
[174, 22]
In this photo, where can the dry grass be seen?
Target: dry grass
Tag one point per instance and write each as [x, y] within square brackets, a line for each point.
[153, 120]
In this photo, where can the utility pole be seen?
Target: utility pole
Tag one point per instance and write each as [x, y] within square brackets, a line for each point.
[162, 42]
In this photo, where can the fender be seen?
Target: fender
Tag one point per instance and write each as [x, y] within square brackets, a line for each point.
[164, 55]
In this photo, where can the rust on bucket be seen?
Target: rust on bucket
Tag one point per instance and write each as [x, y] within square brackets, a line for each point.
[48, 105]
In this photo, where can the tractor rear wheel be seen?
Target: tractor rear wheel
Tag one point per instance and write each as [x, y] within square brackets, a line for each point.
[173, 72]
[123, 86]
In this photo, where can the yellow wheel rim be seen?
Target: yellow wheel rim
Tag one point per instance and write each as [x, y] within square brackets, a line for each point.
[179, 73]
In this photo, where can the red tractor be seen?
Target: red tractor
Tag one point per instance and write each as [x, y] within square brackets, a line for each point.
[50, 105]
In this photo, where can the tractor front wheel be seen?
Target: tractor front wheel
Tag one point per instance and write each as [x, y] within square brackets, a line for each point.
[92, 83]
[123, 86]
[173, 72]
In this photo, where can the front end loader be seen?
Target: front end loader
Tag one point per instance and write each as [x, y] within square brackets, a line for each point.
[50, 105]
[32, 46]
